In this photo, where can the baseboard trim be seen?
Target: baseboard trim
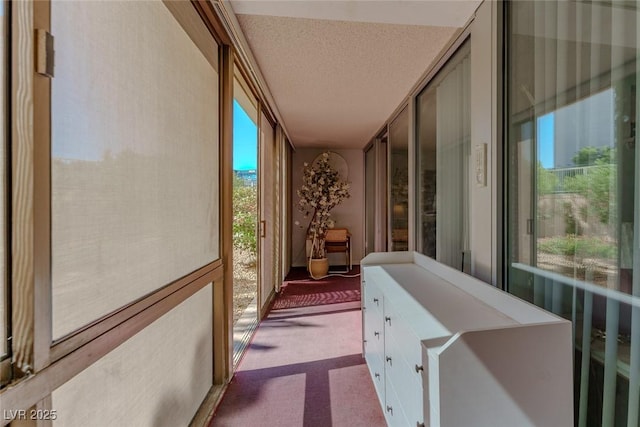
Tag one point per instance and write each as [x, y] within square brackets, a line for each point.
[207, 408]
[267, 306]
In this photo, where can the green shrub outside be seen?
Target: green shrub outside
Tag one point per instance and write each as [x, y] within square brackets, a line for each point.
[573, 245]
[245, 215]
[596, 184]
[547, 180]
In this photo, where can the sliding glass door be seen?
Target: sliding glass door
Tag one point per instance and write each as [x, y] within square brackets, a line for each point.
[443, 143]
[245, 214]
[399, 182]
[370, 199]
[573, 188]
[375, 160]
[269, 256]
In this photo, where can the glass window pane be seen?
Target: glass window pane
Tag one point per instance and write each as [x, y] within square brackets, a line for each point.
[444, 137]
[399, 181]
[134, 156]
[573, 186]
[4, 111]
[370, 200]
[245, 215]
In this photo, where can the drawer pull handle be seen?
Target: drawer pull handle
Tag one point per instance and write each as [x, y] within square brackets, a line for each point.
[376, 300]
[389, 360]
[390, 409]
[419, 368]
[377, 375]
[388, 320]
[377, 334]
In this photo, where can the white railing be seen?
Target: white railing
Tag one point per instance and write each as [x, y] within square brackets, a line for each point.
[547, 282]
[562, 174]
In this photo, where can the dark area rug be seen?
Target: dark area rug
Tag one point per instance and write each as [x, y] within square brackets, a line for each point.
[300, 290]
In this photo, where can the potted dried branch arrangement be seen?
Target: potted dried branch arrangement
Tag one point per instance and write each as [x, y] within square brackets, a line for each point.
[322, 190]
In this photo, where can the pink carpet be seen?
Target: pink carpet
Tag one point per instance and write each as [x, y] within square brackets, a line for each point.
[304, 367]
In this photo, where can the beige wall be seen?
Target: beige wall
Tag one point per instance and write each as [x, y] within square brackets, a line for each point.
[349, 214]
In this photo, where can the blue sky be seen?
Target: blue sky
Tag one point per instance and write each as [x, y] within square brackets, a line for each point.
[245, 140]
[546, 140]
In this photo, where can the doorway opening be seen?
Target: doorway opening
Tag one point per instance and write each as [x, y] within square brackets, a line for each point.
[245, 219]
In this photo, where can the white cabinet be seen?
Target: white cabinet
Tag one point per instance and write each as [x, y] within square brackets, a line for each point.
[445, 349]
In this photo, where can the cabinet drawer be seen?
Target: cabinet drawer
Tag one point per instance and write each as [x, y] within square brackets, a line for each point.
[373, 332]
[392, 408]
[406, 339]
[407, 382]
[376, 368]
[372, 297]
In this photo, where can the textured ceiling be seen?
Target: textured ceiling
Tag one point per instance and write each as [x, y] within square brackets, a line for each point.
[440, 13]
[336, 82]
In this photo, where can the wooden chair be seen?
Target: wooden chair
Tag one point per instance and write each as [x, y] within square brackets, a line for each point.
[339, 240]
[400, 239]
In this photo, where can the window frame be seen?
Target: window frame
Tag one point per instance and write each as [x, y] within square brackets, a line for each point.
[547, 280]
[49, 364]
[453, 54]
[5, 237]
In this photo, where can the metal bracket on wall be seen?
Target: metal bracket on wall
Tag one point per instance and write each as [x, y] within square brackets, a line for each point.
[44, 53]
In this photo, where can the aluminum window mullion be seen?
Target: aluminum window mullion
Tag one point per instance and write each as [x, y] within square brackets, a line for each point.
[31, 254]
[585, 361]
[610, 363]
[5, 123]
[613, 307]
[634, 360]
[556, 298]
